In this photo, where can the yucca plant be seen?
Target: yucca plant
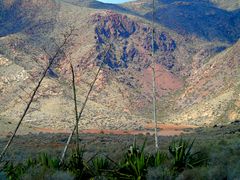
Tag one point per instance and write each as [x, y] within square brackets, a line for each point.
[98, 167]
[46, 161]
[158, 159]
[183, 157]
[77, 165]
[14, 172]
[17, 171]
[31, 162]
[134, 164]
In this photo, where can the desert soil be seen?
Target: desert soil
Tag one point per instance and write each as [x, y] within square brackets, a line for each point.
[164, 130]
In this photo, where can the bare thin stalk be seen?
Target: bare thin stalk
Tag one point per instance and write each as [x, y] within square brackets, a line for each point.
[34, 93]
[82, 109]
[75, 104]
[154, 78]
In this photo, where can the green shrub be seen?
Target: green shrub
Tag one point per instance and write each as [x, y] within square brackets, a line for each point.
[98, 166]
[135, 163]
[14, 172]
[42, 163]
[45, 161]
[158, 159]
[183, 157]
[77, 165]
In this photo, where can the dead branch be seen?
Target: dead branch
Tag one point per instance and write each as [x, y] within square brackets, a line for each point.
[154, 78]
[51, 61]
[75, 103]
[83, 106]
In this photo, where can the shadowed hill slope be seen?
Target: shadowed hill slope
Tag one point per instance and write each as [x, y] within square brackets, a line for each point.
[195, 17]
[16, 16]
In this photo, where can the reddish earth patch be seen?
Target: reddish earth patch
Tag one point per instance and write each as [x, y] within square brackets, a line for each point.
[165, 130]
[165, 80]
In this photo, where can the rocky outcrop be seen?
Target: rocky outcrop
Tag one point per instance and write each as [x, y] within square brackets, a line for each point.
[131, 42]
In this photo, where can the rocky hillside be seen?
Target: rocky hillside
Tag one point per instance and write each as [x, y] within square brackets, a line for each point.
[212, 92]
[122, 95]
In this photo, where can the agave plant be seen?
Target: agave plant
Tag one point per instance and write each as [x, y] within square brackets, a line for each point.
[77, 165]
[46, 161]
[14, 172]
[183, 157]
[158, 159]
[31, 162]
[134, 164]
[98, 167]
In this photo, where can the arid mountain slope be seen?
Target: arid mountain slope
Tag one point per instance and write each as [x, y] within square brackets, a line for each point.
[212, 92]
[122, 95]
[118, 87]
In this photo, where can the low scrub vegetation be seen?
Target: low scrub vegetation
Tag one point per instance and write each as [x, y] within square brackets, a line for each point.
[135, 163]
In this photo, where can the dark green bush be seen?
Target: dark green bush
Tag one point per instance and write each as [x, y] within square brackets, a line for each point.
[183, 156]
[14, 172]
[43, 162]
[99, 166]
[134, 164]
[158, 159]
[46, 161]
[77, 165]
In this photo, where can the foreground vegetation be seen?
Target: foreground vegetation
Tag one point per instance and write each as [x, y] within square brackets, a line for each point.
[213, 155]
[134, 164]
